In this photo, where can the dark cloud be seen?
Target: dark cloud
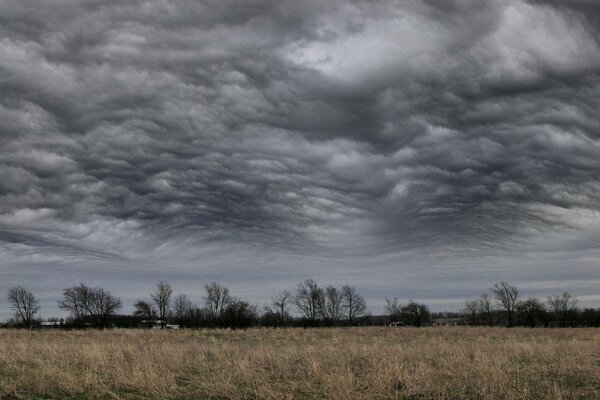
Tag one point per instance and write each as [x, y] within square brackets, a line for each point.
[345, 129]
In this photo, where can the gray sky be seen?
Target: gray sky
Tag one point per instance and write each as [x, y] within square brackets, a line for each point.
[419, 149]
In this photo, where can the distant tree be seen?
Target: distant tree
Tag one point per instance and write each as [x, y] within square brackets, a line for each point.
[217, 298]
[353, 304]
[24, 304]
[182, 308]
[98, 303]
[200, 316]
[507, 297]
[471, 311]
[416, 314]
[281, 304]
[309, 299]
[332, 310]
[562, 307]
[74, 300]
[485, 309]
[392, 309]
[145, 310]
[590, 317]
[162, 300]
[532, 311]
[239, 314]
[102, 305]
[270, 317]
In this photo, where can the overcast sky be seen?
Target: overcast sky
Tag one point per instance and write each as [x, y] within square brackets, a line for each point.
[419, 149]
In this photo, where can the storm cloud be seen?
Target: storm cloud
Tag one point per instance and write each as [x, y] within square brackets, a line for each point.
[393, 145]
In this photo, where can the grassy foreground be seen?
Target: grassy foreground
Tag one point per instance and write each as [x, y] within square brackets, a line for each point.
[356, 363]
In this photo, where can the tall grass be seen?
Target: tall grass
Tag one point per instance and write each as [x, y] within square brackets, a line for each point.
[355, 363]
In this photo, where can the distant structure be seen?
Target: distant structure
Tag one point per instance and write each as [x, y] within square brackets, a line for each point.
[158, 324]
[52, 324]
[447, 321]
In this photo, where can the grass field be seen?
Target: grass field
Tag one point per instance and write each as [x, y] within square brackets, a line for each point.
[356, 363]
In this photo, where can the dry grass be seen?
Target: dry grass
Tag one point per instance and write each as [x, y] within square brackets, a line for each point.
[357, 363]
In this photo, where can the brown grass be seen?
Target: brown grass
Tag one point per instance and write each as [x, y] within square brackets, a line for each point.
[356, 363]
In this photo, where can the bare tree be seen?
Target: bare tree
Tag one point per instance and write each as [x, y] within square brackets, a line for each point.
[507, 297]
[332, 309]
[98, 303]
[146, 311]
[485, 308]
[24, 304]
[216, 299]
[309, 299]
[416, 314]
[531, 311]
[101, 305]
[182, 307]
[162, 299]
[281, 304]
[353, 304]
[472, 311]
[562, 307]
[392, 309]
[479, 310]
[74, 300]
[238, 313]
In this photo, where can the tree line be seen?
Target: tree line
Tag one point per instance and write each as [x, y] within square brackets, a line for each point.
[504, 305]
[97, 307]
[310, 305]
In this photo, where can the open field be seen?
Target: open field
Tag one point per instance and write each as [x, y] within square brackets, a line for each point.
[356, 363]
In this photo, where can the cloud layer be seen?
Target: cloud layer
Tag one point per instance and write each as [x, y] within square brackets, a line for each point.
[372, 140]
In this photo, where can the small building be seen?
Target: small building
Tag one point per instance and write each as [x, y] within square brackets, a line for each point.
[396, 324]
[158, 324]
[447, 321]
[51, 324]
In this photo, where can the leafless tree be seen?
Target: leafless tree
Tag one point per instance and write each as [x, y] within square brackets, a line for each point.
[182, 307]
[162, 299]
[216, 299]
[472, 311]
[309, 299]
[332, 309]
[281, 304]
[479, 310]
[562, 306]
[74, 300]
[98, 303]
[392, 309]
[24, 304]
[416, 314]
[101, 305]
[531, 310]
[238, 313]
[146, 311]
[485, 308]
[507, 297]
[353, 304]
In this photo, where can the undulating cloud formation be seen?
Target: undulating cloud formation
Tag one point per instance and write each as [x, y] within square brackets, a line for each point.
[420, 149]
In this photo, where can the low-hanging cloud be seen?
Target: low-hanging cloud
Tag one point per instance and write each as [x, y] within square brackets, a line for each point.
[350, 129]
